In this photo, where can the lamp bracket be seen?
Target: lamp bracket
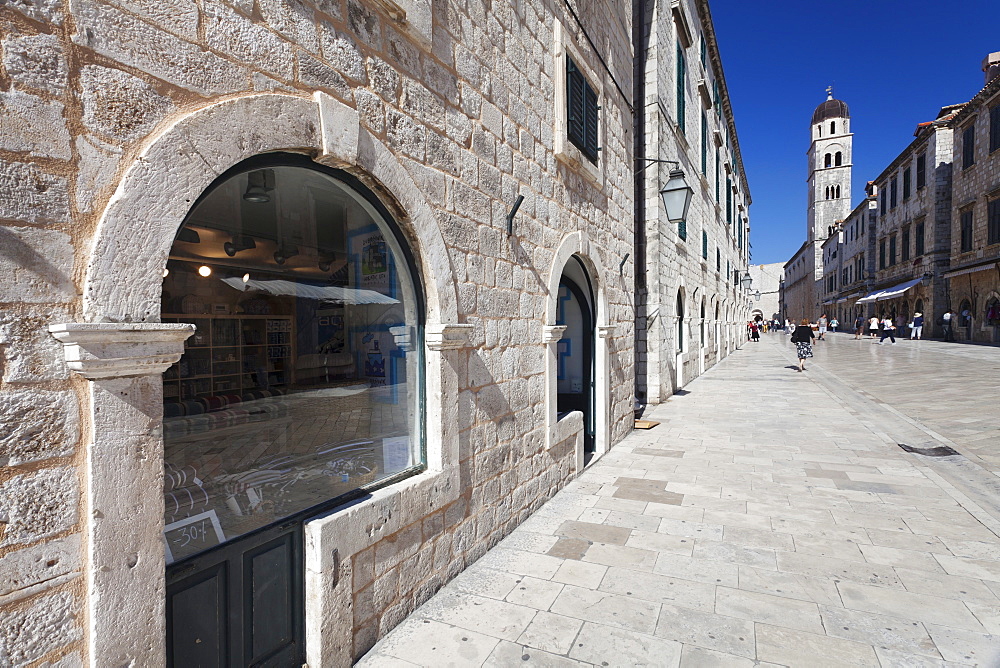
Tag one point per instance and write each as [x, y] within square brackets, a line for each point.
[654, 161]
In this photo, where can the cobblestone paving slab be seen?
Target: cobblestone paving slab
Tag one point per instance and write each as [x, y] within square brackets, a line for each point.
[770, 520]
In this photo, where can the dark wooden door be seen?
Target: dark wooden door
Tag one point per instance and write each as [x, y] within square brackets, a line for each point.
[240, 604]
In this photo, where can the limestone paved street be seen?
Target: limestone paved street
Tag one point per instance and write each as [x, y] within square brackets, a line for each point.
[771, 519]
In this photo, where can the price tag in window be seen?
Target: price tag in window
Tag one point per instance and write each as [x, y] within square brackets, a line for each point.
[191, 535]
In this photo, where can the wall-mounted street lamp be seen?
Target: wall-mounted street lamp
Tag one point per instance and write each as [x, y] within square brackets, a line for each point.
[756, 296]
[676, 193]
[746, 281]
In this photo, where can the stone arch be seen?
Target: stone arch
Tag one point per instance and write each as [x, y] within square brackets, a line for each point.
[137, 228]
[578, 244]
[121, 348]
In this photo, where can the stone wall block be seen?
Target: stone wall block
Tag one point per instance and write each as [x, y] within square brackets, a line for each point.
[35, 264]
[341, 52]
[46, 11]
[177, 16]
[31, 195]
[38, 564]
[31, 125]
[121, 37]
[37, 425]
[35, 61]
[316, 74]
[118, 105]
[30, 354]
[97, 171]
[292, 18]
[29, 633]
[38, 505]
[252, 43]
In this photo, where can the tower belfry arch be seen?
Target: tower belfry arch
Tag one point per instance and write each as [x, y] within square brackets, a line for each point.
[830, 158]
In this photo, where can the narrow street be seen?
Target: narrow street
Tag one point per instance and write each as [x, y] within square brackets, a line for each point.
[772, 518]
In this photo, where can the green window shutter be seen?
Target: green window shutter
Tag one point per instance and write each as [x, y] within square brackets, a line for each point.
[704, 245]
[704, 144]
[715, 96]
[717, 171]
[729, 201]
[682, 229]
[681, 75]
[703, 50]
[581, 112]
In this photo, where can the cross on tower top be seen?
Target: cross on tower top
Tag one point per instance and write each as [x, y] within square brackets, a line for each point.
[829, 92]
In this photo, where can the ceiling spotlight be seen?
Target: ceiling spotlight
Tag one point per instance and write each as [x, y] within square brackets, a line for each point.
[259, 186]
[166, 272]
[205, 270]
[246, 278]
[285, 252]
[239, 243]
[188, 236]
[325, 264]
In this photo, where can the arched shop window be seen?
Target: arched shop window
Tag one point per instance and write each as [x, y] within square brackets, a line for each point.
[303, 381]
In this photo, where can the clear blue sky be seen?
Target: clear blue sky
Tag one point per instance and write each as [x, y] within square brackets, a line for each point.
[894, 62]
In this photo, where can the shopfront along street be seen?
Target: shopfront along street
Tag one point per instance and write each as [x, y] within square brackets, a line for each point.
[772, 518]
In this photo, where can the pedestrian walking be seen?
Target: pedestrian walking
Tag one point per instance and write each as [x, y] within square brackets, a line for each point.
[917, 328]
[833, 325]
[803, 337]
[822, 326]
[873, 327]
[946, 323]
[888, 330]
[755, 332]
[859, 327]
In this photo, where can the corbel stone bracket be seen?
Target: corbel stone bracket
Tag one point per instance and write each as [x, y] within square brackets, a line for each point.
[120, 350]
[606, 331]
[441, 336]
[552, 333]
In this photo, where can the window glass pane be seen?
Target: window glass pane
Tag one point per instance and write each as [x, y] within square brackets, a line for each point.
[302, 381]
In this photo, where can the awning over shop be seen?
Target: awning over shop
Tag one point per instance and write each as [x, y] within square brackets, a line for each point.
[969, 270]
[841, 300]
[888, 293]
[332, 293]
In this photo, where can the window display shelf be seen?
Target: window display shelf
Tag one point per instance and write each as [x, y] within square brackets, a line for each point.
[255, 351]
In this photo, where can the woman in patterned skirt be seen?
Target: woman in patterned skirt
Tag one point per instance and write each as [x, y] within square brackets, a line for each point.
[802, 338]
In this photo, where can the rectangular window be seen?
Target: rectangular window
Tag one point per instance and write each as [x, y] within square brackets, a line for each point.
[881, 254]
[893, 191]
[715, 96]
[704, 143]
[581, 112]
[718, 259]
[682, 229]
[906, 244]
[965, 223]
[892, 250]
[994, 128]
[681, 86]
[704, 50]
[717, 168]
[921, 171]
[918, 233]
[704, 245]
[906, 184]
[883, 201]
[969, 146]
[993, 222]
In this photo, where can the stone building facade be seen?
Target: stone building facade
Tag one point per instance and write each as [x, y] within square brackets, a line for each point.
[123, 120]
[768, 280]
[913, 232]
[691, 308]
[855, 245]
[974, 273]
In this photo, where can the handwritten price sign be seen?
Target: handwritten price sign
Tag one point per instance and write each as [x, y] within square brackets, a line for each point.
[192, 534]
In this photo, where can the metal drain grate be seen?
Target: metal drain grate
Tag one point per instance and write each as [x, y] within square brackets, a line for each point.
[940, 451]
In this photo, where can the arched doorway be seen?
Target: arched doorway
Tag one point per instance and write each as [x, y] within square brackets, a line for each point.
[680, 343]
[301, 386]
[575, 370]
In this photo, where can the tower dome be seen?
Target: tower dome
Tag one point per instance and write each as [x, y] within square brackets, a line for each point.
[831, 108]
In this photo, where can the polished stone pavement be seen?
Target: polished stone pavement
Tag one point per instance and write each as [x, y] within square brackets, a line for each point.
[771, 519]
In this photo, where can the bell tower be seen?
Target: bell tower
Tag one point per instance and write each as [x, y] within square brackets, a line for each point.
[830, 159]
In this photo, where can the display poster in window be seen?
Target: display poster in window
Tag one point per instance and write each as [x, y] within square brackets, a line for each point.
[372, 259]
[379, 362]
[192, 535]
